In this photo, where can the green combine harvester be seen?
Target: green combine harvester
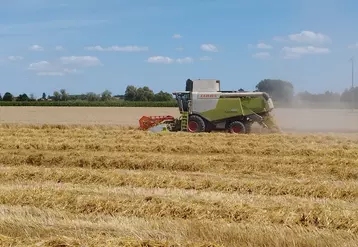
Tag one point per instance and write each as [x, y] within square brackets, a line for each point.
[204, 108]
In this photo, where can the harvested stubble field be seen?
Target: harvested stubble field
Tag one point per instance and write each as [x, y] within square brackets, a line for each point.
[117, 186]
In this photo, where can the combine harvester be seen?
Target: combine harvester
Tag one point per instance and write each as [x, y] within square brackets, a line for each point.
[204, 108]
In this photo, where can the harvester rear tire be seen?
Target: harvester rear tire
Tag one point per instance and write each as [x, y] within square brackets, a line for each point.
[196, 124]
[237, 127]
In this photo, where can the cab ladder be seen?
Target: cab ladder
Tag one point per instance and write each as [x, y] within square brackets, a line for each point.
[184, 121]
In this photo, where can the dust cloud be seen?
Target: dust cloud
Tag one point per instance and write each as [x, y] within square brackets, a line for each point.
[316, 120]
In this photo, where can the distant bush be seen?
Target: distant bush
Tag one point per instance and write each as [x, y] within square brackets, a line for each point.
[84, 103]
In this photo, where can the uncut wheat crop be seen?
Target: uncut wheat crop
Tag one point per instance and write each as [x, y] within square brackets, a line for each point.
[116, 186]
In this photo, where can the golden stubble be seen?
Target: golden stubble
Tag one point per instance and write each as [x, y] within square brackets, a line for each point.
[118, 186]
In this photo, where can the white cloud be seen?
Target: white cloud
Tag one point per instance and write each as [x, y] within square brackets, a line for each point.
[291, 56]
[168, 60]
[85, 61]
[209, 47]
[45, 68]
[59, 48]
[352, 46]
[160, 59]
[70, 71]
[185, 60]
[261, 55]
[177, 36]
[50, 73]
[42, 65]
[309, 37]
[205, 58]
[57, 73]
[36, 48]
[129, 48]
[261, 45]
[62, 72]
[306, 50]
[296, 52]
[15, 58]
[180, 49]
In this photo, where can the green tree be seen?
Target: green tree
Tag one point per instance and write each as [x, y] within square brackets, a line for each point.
[43, 96]
[279, 90]
[0, 97]
[131, 93]
[163, 96]
[64, 94]
[92, 96]
[106, 95]
[23, 97]
[144, 94]
[56, 96]
[140, 95]
[148, 93]
[8, 97]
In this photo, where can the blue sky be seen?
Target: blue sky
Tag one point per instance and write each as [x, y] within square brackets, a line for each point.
[91, 46]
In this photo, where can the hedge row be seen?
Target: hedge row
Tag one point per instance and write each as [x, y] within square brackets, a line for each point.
[91, 103]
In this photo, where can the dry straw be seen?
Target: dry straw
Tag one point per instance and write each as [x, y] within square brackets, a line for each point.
[117, 186]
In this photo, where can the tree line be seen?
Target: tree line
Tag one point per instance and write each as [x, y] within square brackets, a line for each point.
[279, 90]
[132, 93]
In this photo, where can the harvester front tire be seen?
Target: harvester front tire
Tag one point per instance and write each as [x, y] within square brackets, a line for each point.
[237, 127]
[196, 124]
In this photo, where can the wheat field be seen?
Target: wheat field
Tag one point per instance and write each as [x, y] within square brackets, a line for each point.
[117, 186]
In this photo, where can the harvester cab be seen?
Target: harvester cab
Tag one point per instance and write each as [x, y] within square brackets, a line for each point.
[183, 101]
[204, 107]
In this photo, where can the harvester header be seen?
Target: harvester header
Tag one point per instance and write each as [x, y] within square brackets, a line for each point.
[204, 108]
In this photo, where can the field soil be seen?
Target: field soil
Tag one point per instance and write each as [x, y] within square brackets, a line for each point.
[124, 116]
[290, 120]
[116, 186]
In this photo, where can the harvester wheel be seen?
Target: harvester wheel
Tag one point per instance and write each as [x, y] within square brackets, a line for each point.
[196, 124]
[237, 127]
